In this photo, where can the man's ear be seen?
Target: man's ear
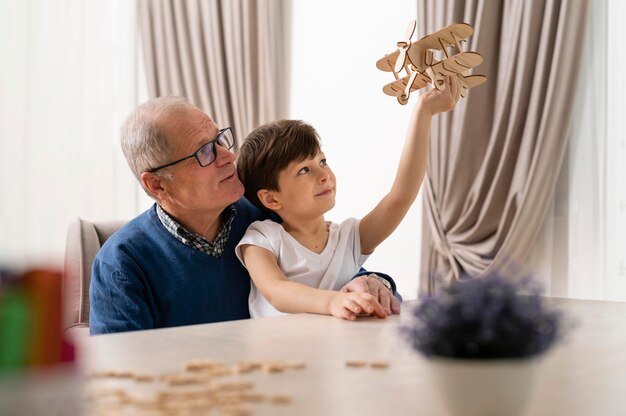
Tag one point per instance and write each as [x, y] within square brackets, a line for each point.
[268, 199]
[154, 184]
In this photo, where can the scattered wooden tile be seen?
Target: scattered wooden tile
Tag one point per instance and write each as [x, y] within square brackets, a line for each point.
[280, 398]
[355, 363]
[379, 364]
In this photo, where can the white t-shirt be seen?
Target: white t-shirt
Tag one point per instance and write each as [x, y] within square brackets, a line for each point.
[331, 269]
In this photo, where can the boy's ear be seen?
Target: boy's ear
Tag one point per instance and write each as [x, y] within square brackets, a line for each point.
[267, 199]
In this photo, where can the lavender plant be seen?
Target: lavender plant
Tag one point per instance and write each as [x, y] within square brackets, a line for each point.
[485, 318]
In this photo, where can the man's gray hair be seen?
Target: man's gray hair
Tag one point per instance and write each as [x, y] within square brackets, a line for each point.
[143, 142]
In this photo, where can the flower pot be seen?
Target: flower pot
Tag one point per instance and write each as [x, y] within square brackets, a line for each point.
[483, 387]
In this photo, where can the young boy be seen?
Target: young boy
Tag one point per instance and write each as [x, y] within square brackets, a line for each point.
[298, 265]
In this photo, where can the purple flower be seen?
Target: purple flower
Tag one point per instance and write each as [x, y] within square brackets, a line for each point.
[488, 317]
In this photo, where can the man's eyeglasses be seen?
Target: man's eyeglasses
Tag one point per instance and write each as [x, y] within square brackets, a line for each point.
[207, 153]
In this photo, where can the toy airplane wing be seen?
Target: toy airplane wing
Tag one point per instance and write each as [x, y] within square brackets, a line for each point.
[399, 88]
[460, 65]
[448, 36]
[388, 62]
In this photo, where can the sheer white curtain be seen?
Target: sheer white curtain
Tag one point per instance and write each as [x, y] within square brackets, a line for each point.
[68, 78]
[581, 252]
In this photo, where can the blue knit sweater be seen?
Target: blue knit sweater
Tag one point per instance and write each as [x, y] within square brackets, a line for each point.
[143, 277]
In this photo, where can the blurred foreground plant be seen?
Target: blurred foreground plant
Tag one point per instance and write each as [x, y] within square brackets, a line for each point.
[485, 318]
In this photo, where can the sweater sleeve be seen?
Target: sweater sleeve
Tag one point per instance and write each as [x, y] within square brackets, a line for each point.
[117, 301]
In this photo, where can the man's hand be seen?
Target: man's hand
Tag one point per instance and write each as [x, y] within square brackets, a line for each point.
[379, 291]
[348, 305]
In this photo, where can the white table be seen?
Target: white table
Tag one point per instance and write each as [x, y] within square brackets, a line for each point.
[586, 375]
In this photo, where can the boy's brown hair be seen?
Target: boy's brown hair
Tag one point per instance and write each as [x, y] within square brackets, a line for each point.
[269, 149]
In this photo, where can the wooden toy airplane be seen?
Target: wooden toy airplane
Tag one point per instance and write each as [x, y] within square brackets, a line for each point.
[417, 59]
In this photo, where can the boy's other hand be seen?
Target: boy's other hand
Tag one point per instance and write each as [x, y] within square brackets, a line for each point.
[437, 101]
[367, 284]
[347, 305]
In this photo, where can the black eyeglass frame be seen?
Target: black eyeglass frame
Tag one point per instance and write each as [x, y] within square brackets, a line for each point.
[213, 142]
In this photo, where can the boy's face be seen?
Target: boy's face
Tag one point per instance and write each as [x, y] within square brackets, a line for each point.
[307, 188]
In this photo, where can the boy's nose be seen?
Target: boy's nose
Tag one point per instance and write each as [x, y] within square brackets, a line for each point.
[323, 175]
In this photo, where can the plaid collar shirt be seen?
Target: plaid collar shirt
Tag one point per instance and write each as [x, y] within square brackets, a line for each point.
[196, 241]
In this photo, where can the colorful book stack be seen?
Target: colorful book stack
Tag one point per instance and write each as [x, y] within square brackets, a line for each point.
[38, 371]
[31, 333]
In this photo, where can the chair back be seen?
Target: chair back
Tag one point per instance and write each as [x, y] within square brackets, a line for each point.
[84, 239]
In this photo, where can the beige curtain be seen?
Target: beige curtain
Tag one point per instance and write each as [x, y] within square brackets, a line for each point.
[228, 57]
[495, 159]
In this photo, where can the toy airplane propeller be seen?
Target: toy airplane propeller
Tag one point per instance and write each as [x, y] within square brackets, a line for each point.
[418, 60]
[403, 46]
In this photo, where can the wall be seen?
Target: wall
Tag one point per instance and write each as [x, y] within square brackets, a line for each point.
[68, 79]
[337, 88]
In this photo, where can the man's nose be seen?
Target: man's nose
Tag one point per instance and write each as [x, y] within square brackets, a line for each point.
[223, 155]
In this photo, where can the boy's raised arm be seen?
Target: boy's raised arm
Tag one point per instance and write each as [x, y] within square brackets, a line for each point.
[376, 226]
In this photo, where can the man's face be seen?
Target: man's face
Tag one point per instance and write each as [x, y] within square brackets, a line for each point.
[197, 190]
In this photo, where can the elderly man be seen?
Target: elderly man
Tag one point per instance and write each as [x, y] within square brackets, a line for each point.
[175, 264]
